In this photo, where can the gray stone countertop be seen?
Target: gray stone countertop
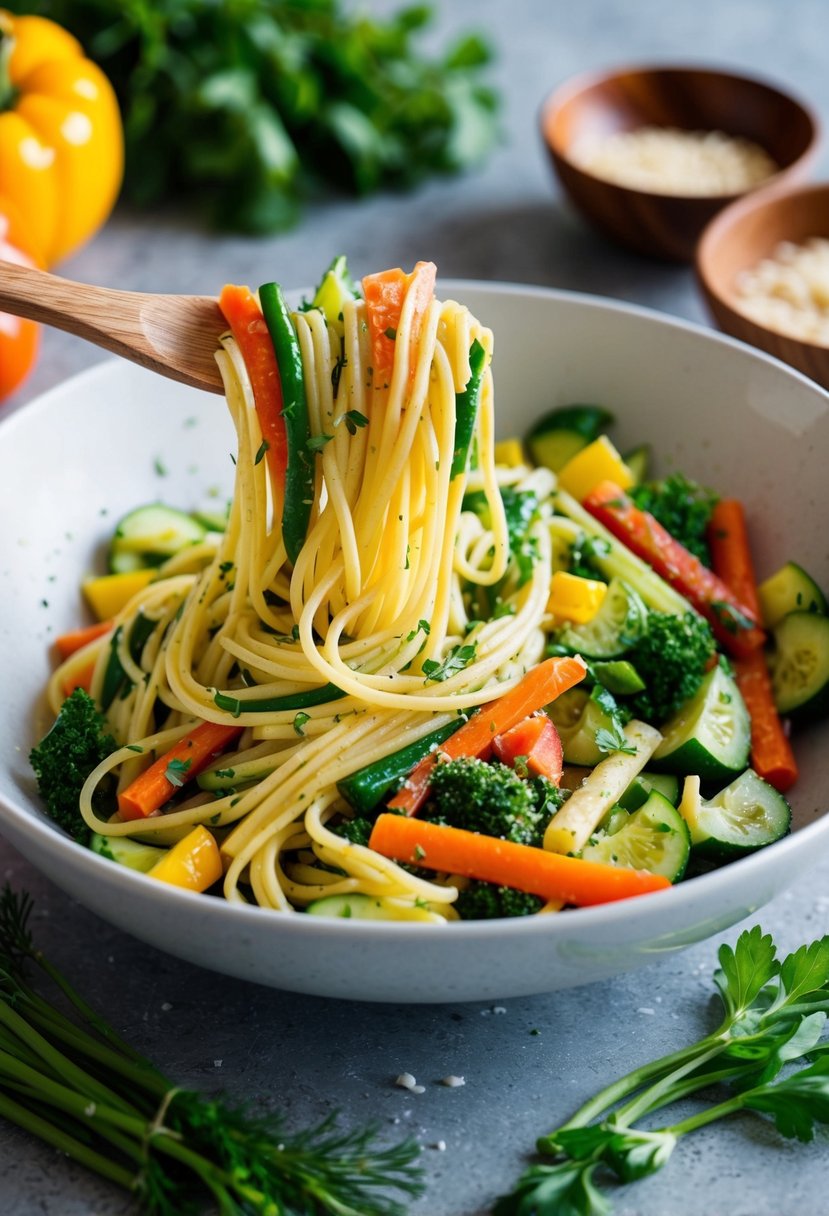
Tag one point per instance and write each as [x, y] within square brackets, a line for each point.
[527, 1062]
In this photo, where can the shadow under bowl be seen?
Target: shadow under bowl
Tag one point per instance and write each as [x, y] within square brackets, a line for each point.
[594, 106]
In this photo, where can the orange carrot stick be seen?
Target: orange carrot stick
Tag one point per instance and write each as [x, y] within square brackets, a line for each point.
[540, 686]
[76, 639]
[385, 294]
[82, 678]
[771, 752]
[247, 324]
[180, 764]
[550, 875]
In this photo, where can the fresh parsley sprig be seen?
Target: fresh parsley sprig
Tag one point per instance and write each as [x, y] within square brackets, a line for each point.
[774, 1015]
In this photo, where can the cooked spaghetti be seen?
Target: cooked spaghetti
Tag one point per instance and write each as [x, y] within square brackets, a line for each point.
[367, 638]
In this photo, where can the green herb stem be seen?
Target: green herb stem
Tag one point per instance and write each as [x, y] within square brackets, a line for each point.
[30, 1122]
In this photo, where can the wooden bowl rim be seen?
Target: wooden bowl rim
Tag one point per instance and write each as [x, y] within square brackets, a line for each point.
[724, 222]
[587, 81]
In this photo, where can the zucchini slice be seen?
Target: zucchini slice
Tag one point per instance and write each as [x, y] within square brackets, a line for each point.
[577, 718]
[800, 665]
[710, 734]
[133, 854]
[789, 589]
[643, 785]
[747, 815]
[365, 907]
[618, 676]
[147, 536]
[655, 838]
[621, 620]
[563, 432]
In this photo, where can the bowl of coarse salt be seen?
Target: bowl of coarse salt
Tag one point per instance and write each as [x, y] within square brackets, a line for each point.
[763, 267]
[649, 155]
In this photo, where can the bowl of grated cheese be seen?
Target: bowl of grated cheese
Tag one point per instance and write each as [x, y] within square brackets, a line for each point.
[763, 267]
[649, 155]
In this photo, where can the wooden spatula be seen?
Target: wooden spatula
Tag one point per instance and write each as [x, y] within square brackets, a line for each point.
[175, 335]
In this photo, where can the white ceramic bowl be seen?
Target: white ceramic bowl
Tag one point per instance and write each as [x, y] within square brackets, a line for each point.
[85, 453]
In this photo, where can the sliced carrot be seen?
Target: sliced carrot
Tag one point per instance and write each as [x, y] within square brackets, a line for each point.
[540, 686]
[550, 875]
[82, 678]
[771, 753]
[534, 743]
[247, 324]
[76, 639]
[385, 294]
[182, 762]
[734, 622]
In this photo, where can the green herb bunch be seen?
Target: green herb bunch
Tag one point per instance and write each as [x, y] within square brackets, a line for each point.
[244, 104]
[74, 1083]
[774, 1016]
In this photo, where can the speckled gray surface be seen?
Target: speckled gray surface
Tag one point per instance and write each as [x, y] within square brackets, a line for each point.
[307, 1055]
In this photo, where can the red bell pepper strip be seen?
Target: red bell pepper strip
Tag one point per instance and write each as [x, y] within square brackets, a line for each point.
[734, 623]
[771, 753]
[533, 744]
[247, 324]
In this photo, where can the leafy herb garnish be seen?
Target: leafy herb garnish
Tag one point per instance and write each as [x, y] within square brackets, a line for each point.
[177, 770]
[774, 1016]
[458, 658]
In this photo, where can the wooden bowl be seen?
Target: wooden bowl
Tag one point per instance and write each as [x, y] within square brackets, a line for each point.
[740, 237]
[695, 99]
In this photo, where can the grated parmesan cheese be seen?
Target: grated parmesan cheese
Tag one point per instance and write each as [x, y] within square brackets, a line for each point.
[789, 291]
[664, 160]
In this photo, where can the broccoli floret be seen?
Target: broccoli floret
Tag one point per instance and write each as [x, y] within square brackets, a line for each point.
[65, 757]
[490, 798]
[356, 830]
[681, 506]
[548, 798]
[485, 901]
[671, 658]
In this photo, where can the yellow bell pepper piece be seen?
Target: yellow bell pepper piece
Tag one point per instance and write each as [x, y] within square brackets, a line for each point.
[573, 598]
[61, 140]
[510, 452]
[194, 863]
[599, 461]
[108, 594]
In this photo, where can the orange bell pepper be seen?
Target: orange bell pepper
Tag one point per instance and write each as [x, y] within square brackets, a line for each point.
[61, 140]
[19, 339]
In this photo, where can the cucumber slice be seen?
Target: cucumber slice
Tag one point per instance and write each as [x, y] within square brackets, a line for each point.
[790, 589]
[147, 536]
[747, 815]
[133, 854]
[335, 289]
[655, 838]
[365, 907]
[643, 785]
[563, 432]
[618, 676]
[577, 718]
[621, 620]
[800, 665]
[710, 734]
[638, 460]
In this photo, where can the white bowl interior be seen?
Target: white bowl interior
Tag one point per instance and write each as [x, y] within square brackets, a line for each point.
[74, 461]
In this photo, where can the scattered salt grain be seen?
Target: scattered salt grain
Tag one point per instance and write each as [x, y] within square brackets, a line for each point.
[498, 1009]
[441, 1146]
[646, 1010]
[218, 1063]
[166, 1007]
[407, 1081]
[453, 1082]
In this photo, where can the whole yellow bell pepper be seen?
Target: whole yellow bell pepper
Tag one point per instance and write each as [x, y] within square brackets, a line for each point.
[61, 140]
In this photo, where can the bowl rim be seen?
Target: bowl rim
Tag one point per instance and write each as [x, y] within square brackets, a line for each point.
[48, 836]
[733, 215]
[586, 81]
